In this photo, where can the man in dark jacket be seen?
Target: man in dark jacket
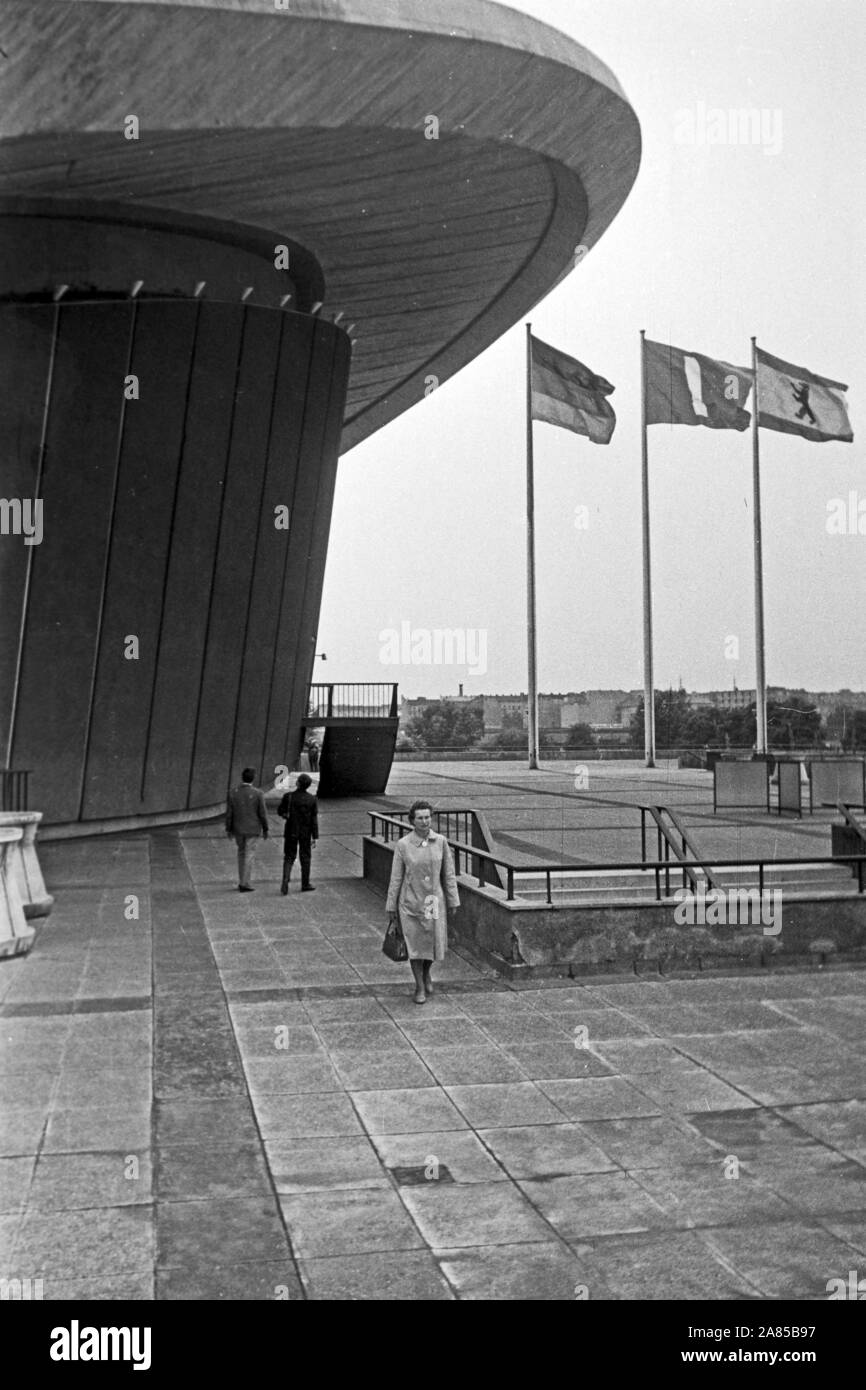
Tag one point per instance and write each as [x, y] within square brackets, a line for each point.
[246, 820]
[300, 811]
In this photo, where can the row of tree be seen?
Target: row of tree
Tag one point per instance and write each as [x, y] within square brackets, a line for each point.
[795, 724]
[444, 724]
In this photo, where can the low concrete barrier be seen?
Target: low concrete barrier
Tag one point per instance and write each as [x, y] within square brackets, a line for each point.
[23, 862]
[636, 937]
[16, 937]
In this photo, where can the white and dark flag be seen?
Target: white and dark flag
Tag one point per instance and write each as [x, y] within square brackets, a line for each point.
[796, 401]
[688, 388]
[566, 393]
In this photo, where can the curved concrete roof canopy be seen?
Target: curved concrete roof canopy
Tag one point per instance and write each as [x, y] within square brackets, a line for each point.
[311, 122]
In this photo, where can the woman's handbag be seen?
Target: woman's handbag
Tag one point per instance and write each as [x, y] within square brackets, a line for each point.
[394, 945]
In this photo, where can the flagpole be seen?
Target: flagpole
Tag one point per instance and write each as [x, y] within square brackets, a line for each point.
[649, 713]
[530, 563]
[760, 671]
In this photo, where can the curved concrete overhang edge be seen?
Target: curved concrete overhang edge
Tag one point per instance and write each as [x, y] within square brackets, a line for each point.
[531, 118]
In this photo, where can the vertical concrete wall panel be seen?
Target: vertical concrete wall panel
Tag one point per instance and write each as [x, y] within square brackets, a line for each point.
[313, 469]
[317, 538]
[267, 579]
[234, 560]
[186, 598]
[69, 566]
[24, 366]
[287, 434]
[152, 432]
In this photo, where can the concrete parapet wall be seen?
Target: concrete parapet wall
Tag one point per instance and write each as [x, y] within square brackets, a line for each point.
[637, 936]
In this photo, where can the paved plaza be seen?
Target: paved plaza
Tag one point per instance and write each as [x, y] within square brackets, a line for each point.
[541, 815]
[210, 1095]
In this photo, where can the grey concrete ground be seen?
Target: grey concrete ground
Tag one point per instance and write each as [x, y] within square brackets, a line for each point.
[213, 1095]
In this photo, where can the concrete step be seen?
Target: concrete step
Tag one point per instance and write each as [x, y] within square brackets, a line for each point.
[612, 886]
[819, 876]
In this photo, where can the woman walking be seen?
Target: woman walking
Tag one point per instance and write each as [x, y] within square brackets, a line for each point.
[422, 883]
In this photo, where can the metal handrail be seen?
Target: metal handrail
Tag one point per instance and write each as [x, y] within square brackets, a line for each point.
[657, 867]
[851, 820]
[686, 843]
[352, 700]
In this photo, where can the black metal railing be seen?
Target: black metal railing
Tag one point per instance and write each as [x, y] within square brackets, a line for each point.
[352, 700]
[852, 820]
[14, 789]
[685, 853]
[459, 826]
[392, 827]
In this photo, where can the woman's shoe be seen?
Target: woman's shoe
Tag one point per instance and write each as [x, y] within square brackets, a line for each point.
[420, 997]
[284, 887]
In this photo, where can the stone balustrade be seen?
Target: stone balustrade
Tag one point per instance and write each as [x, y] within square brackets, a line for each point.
[23, 862]
[16, 936]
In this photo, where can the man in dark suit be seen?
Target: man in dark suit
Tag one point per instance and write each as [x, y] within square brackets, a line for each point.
[246, 821]
[300, 811]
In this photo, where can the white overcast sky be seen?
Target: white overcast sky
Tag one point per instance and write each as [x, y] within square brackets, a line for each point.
[715, 243]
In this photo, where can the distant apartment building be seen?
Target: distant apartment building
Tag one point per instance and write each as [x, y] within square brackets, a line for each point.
[629, 707]
[590, 708]
[410, 708]
[550, 711]
[723, 699]
[603, 709]
[555, 711]
[597, 708]
[499, 709]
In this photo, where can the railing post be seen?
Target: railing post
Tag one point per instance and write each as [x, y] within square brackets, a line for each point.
[761, 877]
[549, 899]
[643, 833]
[509, 892]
